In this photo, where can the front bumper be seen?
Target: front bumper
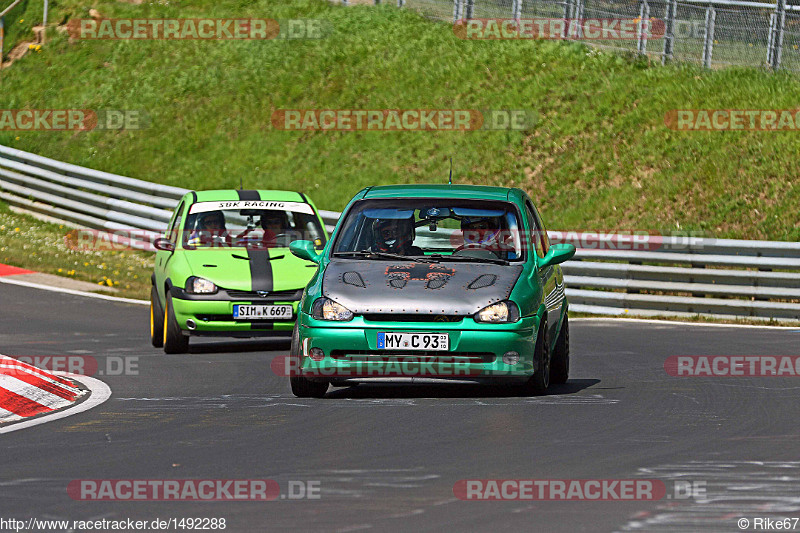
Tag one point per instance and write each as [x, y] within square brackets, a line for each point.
[475, 353]
[215, 317]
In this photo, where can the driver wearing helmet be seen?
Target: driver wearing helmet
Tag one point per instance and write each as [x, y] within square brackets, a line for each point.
[274, 224]
[485, 233]
[209, 228]
[395, 236]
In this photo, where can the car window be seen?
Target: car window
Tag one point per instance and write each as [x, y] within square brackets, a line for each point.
[427, 226]
[538, 236]
[228, 225]
[172, 231]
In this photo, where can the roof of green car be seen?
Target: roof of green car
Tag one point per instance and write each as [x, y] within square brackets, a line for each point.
[233, 195]
[483, 192]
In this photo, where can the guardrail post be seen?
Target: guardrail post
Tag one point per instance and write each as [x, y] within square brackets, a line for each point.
[669, 30]
[44, 22]
[457, 7]
[708, 46]
[567, 16]
[469, 10]
[578, 15]
[516, 9]
[401, 3]
[776, 28]
[641, 29]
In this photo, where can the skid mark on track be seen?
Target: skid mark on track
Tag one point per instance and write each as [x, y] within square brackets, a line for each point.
[734, 489]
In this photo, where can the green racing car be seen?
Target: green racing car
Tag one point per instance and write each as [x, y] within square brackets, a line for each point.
[223, 267]
[433, 281]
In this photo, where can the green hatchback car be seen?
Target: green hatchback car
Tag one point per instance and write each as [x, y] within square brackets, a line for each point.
[223, 267]
[434, 281]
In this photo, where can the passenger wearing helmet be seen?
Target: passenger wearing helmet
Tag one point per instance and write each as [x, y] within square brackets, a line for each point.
[395, 236]
[209, 228]
[485, 233]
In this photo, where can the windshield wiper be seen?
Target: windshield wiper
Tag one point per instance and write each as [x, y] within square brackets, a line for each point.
[382, 255]
[469, 259]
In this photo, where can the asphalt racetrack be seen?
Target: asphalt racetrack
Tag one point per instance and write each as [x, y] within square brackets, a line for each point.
[387, 456]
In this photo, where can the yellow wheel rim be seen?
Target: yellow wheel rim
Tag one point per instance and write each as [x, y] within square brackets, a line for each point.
[165, 324]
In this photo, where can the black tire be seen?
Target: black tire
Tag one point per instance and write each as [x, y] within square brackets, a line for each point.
[174, 339]
[540, 381]
[303, 387]
[559, 369]
[156, 320]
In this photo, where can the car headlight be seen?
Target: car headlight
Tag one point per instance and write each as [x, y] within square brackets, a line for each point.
[327, 309]
[195, 285]
[498, 313]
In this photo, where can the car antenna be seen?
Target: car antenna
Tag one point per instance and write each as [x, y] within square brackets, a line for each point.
[450, 180]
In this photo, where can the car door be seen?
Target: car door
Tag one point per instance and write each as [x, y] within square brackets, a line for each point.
[172, 234]
[548, 276]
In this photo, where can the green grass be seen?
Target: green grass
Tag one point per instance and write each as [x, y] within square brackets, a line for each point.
[599, 157]
[40, 246]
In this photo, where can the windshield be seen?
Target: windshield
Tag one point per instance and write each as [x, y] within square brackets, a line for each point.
[479, 229]
[208, 226]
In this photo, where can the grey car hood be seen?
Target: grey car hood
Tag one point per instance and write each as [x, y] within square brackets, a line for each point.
[417, 288]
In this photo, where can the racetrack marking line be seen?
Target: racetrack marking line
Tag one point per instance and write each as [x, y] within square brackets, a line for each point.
[73, 292]
[675, 323]
[576, 319]
[100, 392]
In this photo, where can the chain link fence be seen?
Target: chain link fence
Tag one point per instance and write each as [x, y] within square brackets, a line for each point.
[714, 33]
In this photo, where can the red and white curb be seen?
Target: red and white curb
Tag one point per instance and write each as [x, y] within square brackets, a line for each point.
[27, 392]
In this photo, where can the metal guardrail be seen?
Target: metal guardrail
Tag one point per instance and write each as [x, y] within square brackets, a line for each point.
[708, 32]
[685, 276]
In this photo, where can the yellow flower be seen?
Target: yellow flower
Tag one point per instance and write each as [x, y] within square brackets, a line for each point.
[21, 21]
[31, 46]
[59, 270]
[86, 264]
[17, 138]
[16, 229]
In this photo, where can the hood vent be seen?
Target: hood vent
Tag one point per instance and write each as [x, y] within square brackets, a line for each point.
[397, 282]
[484, 280]
[354, 279]
[436, 282]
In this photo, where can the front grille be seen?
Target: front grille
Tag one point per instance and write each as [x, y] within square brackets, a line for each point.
[415, 355]
[272, 296]
[399, 317]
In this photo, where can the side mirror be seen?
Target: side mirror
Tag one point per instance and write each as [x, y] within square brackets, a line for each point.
[304, 250]
[164, 245]
[557, 254]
